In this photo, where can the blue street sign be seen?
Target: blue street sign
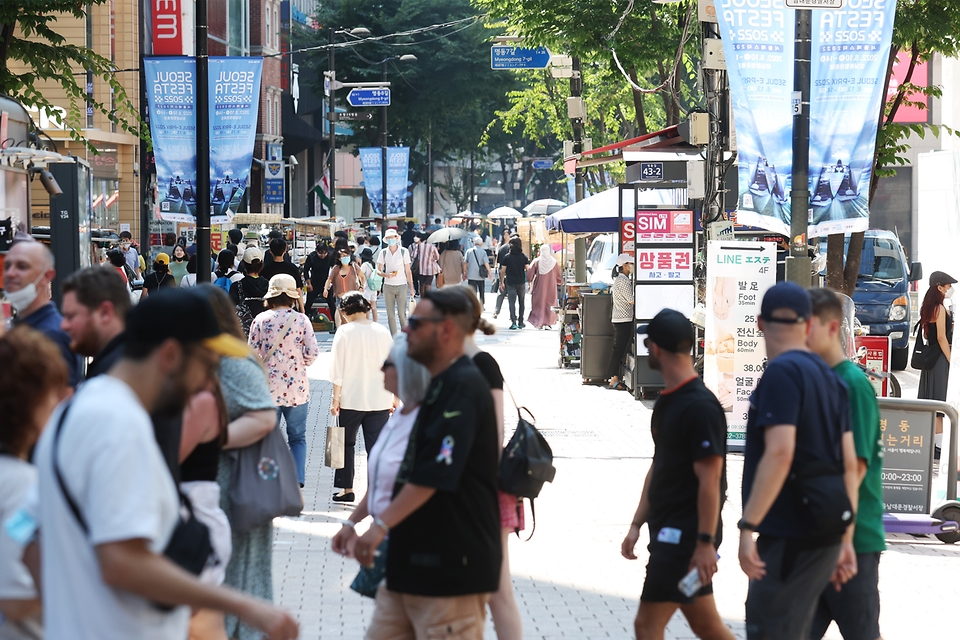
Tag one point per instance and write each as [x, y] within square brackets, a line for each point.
[542, 164]
[651, 171]
[369, 97]
[506, 57]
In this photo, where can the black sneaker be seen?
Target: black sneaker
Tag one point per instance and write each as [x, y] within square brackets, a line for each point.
[514, 327]
[522, 326]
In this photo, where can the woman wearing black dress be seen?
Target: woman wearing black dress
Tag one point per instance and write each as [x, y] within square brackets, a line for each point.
[937, 325]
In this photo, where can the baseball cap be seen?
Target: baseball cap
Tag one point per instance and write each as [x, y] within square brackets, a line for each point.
[938, 278]
[184, 315]
[668, 330]
[280, 284]
[252, 253]
[163, 258]
[391, 233]
[786, 295]
[623, 259]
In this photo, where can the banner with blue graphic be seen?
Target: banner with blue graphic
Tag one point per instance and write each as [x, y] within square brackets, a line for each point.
[234, 102]
[171, 84]
[398, 164]
[371, 163]
[234, 96]
[851, 47]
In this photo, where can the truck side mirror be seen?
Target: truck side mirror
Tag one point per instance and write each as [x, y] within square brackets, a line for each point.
[916, 271]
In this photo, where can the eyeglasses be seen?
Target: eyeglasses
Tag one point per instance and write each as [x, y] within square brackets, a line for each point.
[415, 322]
[387, 365]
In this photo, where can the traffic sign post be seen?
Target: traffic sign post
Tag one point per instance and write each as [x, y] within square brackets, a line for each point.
[542, 164]
[505, 57]
[357, 116]
[376, 97]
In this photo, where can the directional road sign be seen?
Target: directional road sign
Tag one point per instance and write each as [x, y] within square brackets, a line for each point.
[505, 57]
[359, 116]
[542, 164]
[369, 97]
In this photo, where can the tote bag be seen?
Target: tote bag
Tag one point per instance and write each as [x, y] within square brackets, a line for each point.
[264, 483]
[333, 451]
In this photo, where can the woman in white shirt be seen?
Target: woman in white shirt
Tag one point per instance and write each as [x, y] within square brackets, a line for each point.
[409, 380]
[359, 399]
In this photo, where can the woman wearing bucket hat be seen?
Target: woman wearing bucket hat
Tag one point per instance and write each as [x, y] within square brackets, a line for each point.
[937, 325]
[284, 339]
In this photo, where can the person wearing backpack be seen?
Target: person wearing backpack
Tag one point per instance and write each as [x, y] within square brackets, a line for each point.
[374, 281]
[226, 275]
[248, 292]
[684, 489]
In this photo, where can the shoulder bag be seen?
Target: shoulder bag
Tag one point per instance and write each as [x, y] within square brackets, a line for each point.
[925, 353]
[189, 545]
[826, 507]
[280, 336]
[484, 270]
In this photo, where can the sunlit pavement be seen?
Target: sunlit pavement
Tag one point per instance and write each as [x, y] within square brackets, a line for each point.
[570, 579]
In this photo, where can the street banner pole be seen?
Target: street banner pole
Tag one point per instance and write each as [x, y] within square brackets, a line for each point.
[798, 262]
[203, 146]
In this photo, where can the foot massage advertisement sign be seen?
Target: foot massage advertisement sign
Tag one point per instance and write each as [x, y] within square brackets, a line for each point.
[738, 275]
[234, 97]
[850, 50]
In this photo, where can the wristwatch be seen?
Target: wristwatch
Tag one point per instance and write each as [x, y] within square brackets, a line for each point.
[705, 537]
[743, 525]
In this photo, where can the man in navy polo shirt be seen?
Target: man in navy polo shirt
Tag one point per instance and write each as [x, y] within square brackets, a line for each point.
[27, 273]
[799, 416]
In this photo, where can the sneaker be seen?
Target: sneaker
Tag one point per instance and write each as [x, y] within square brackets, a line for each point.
[514, 327]
[522, 326]
[495, 316]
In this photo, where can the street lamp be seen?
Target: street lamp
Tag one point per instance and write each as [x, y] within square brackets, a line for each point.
[359, 32]
[409, 57]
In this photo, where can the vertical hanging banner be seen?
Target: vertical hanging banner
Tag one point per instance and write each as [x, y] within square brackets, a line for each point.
[371, 163]
[738, 275]
[234, 103]
[851, 47]
[234, 88]
[398, 163]
[171, 84]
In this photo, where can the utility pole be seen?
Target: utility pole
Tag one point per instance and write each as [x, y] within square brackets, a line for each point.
[429, 173]
[383, 154]
[332, 123]
[798, 262]
[580, 244]
[203, 146]
[472, 196]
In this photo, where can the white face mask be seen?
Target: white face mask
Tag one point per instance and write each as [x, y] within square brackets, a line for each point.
[22, 299]
[949, 293]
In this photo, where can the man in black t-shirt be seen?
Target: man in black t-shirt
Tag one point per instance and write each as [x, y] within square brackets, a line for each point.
[513, 280]
[316, 270]
[501, 254]
[276, 261]
[684, 489]
[799, 416]
[444, 553]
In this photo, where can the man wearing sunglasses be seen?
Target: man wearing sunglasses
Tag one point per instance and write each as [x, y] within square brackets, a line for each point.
[799, 420]
[444, 554]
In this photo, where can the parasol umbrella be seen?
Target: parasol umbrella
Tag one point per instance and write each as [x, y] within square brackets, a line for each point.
[505, 213]
[544, 207]
[448, 234]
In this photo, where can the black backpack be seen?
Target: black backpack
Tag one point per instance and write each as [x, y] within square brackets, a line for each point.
[527, 463]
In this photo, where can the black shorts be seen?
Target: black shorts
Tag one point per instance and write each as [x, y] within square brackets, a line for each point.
[856, 607]
[667, 566]
[425, 280]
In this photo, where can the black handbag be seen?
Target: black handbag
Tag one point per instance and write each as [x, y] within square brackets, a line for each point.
[189, 546]
[925, 353]
[482, 268]
[826, 507]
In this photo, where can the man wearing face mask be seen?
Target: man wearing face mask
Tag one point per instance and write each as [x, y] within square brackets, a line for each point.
[27, 273]
[129, 252]
[393, 264]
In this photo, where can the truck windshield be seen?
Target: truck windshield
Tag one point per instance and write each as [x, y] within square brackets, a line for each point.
[881, 259]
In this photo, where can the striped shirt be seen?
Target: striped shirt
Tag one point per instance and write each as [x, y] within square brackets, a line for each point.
[428, 258]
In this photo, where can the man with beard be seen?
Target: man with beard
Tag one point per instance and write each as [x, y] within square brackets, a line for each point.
[95, 306]
[684, 489]
[108, 506]
[443, 554]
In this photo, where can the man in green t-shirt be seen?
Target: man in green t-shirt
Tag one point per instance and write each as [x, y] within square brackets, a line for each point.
[856, 605]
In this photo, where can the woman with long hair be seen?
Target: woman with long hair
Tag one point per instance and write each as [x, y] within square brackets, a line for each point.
[359, 399]
[284, 339]
[545, 276]
[503, 604]
[178, 263]
[369, 268]
[937, 325]
[622, 318]
[344, 277]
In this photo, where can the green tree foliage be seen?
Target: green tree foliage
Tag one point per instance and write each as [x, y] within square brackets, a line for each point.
[28, 35]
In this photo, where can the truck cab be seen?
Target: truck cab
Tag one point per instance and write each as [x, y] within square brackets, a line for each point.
[882, 293]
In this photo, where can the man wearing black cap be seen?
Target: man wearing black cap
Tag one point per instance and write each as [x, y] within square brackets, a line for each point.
[684, 489]
[108, 506]
[799, 464]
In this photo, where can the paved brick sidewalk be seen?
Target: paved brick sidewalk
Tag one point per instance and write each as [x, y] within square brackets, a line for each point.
[570, 579]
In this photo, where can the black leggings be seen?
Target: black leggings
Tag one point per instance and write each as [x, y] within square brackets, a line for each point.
[622, 334]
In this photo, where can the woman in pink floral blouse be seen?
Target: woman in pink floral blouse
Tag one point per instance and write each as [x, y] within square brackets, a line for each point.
[284, 339]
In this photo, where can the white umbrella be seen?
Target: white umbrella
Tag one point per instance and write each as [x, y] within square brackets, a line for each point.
[448, 234]
[544, 207]
[505, 213]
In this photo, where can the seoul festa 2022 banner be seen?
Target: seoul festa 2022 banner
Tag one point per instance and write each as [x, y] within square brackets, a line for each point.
[371, 163]
[850, 49]
[234, 90]
[398, 163]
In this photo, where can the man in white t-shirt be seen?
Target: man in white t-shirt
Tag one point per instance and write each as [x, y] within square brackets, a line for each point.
[102, 563]
[393, 263]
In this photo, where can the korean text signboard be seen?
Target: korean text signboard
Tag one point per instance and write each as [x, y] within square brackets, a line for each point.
[907, 460]
[664, 265]
[661, 226]
[738, 274]
[663, 255]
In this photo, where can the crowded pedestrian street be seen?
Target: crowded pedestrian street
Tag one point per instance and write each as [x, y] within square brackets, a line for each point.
[570, 579]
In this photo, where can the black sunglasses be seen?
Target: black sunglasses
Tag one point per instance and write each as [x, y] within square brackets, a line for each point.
[415, 322]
